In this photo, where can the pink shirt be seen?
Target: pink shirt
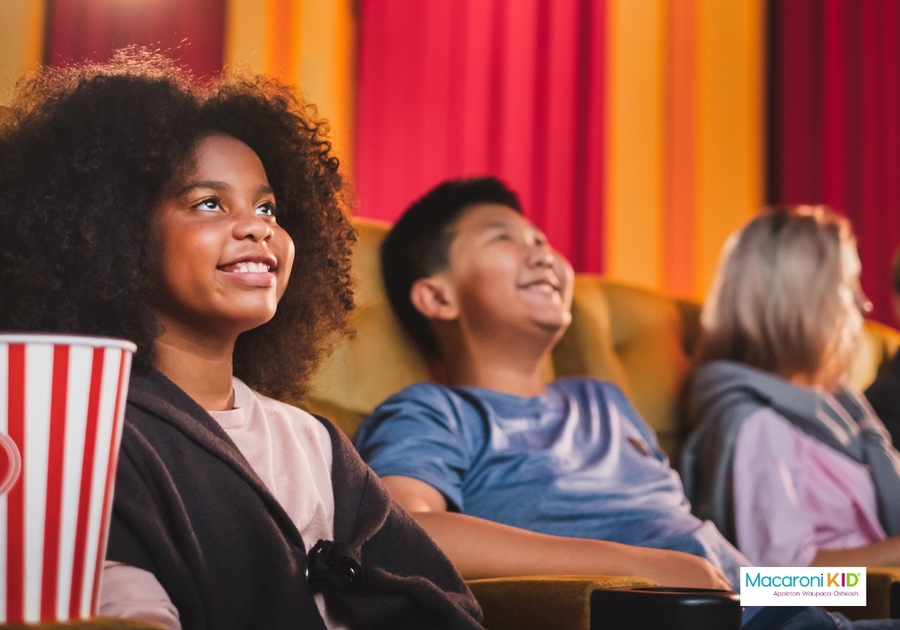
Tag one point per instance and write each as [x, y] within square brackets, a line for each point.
[794, 495]
[291, 452]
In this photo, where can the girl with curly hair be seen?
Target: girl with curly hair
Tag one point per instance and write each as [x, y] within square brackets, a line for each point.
[138, 204]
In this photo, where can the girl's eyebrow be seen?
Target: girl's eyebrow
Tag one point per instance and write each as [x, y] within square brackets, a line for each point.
[263, 189]
[214, 185]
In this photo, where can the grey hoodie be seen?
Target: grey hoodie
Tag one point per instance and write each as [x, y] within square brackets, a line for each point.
[724, 393]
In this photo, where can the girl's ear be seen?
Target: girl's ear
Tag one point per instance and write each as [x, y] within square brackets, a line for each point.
[434, 298]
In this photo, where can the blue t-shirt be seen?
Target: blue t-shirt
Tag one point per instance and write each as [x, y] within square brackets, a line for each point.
[577, 461]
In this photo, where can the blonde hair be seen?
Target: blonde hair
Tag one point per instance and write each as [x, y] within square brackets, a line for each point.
[776, 302]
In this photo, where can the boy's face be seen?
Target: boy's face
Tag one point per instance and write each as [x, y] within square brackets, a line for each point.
[502, 271]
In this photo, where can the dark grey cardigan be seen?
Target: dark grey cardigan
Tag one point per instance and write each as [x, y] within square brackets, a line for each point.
[190, 509]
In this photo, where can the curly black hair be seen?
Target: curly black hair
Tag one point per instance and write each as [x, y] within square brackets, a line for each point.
[85, 154]
[418, 244]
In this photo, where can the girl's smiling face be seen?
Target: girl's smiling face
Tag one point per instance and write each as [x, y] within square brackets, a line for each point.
[223, 262]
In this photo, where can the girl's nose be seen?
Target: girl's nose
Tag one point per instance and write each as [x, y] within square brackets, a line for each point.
[253, 226]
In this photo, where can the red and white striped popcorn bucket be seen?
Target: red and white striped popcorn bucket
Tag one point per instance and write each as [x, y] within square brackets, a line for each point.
[62, 400]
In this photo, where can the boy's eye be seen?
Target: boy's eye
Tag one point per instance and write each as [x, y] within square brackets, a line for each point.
[211, 205]
[266, 209]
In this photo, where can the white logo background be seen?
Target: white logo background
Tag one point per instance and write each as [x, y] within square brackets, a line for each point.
[803, 586]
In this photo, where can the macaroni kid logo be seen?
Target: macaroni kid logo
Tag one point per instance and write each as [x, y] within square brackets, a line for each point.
[803, 586]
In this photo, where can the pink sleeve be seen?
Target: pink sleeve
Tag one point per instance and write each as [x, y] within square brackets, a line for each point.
[132, 593]
[773, 528]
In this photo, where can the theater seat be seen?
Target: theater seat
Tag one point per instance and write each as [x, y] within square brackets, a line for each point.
[639, 339]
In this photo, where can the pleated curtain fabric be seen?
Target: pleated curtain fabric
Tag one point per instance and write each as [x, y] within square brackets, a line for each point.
[834, 121]
[190, 31]
[510, 88]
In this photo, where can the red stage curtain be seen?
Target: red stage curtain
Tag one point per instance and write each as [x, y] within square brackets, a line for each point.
[511, 88]
[834, 110]
[191, 31]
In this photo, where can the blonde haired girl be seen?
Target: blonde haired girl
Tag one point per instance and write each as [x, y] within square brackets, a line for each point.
[791, 464]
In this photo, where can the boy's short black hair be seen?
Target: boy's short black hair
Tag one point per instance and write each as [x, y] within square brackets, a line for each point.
[418, 244]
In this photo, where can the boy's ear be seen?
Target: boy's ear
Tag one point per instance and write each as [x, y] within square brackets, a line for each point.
[433, 297]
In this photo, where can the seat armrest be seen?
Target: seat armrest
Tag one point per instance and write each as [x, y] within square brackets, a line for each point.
[561, 602]
[883, 592]
[882, 596]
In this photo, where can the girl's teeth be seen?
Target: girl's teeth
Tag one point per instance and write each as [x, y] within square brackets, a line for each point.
[252, 267]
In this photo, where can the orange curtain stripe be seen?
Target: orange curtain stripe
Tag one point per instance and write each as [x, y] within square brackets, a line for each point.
[281, 39]
[684, 149]
[634, 166]
[730, 124]
[21, 41]
[680, 265]
[308, 43]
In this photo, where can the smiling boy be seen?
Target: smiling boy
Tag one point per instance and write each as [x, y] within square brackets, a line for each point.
[511, 475]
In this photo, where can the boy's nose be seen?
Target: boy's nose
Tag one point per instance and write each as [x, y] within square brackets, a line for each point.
[542, 256]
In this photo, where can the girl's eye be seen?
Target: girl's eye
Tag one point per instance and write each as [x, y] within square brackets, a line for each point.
[210, 205]
[266, 209]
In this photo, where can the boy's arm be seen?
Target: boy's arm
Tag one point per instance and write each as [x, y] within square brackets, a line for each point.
[479, 548]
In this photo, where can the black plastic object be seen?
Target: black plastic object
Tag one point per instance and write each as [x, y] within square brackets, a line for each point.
[666, 608]
[894, 601]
